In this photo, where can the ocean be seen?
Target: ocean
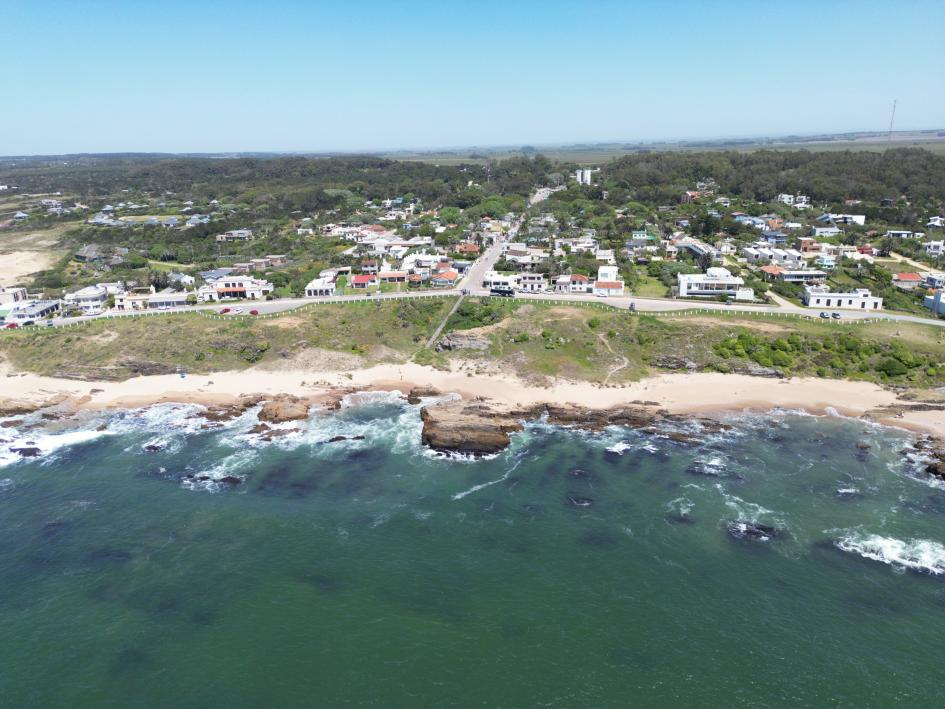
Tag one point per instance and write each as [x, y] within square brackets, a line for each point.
[147, 560]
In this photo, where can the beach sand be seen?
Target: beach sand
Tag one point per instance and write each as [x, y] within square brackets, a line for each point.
[701, 393]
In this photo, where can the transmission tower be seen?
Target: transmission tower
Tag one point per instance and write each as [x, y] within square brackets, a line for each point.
[891, 119]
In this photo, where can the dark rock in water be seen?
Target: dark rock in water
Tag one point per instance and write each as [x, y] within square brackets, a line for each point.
[259, 428]
[677, 517]
[153, 447]
[27, 452]
[753, 530]
[531, 509]
[230, 480]
[338, 439]
[577, 501]
[54, 528]
[224, 480]
[699, 468]
[863, 445]
[581, 474]
[11, 423]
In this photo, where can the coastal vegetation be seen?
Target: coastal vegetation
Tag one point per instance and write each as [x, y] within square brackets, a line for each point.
[541, 343]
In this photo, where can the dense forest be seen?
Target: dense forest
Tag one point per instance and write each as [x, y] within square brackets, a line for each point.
[825, 176]
[285, 182]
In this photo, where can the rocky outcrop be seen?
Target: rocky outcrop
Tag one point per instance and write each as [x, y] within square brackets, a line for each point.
[934, 453]
[756, 370]
[480, 428]
[462, 341]
[467, 427]
[225, 412]
[284, 407]
[753, 530]
[420, 392]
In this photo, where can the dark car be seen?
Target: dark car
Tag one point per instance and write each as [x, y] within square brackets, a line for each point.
[224, 311]
[254, 312]
[825, 316]
[835, 316]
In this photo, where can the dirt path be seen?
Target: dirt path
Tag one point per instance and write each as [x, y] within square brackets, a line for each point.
[623, 365]
[439, 329]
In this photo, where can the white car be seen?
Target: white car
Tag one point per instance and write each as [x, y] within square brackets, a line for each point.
[237, 310]
[601, 295]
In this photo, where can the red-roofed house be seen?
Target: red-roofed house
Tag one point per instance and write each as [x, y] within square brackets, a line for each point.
[467, 249]
[366, 280]
[771, 272]
[392, 276]
[445, 279]
[906, 281]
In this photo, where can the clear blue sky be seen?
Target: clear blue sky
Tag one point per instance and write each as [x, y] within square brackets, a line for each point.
[200, 76]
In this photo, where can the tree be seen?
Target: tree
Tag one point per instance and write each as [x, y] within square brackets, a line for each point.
[705, 262]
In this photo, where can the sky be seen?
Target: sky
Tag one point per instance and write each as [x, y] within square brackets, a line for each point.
[364, 75]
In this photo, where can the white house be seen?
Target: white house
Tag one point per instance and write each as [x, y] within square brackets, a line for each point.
[826, 261]
[10, 294]
[934, 248]
[936, 222]
[608, 281]
[935, 302]
[494, 279]
[714, 282]
[320, 287]
[532, 282]
[90, 300]
[824, 231]
[574, 283]
[903, 234]
[819, 296]
[234, 287]
[235, 235]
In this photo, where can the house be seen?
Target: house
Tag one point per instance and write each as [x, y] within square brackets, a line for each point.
[830, 218]
[785, 198]
[826, 262]
[392, 277]
[277, 259]
[494, 279]
[689, 196]
[11, 294]
[699, 248]
[901, 234]
[934, 280]
[935, 222]
[934, 248]
[713, 283]
[320, 287]
[90, 300]
[801, 276]
[364, 281]
[467, 249]
[149, 299]
[369, 265]
[825, 231]
[907, 281]
[182, 278]
[234, 287]
[935, 302]
[806, 245]
[32, 310]
[608, 281]
[820, 296]
[772, 236]
[89, 253]
[532, 282]
[235, 235]
[574, 283]
[444, 279]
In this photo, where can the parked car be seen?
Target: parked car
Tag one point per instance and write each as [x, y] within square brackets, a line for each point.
[825, 316]
[27, 323]
[835, 316]
[11, 326]
[49, 323]
[224, 311]
[254, 312]
[237, 310]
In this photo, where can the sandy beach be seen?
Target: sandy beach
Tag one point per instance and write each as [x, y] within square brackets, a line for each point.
[701, 393]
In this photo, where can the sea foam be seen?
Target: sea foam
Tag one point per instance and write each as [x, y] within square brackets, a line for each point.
[920, 555]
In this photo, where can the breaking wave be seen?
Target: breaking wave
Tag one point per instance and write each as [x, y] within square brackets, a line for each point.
[920, 555]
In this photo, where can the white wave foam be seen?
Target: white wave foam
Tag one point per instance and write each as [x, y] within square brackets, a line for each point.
[619, 447]
[747, 511]
[477, 488]
[920, 555]
[45, 442]
[7, 485]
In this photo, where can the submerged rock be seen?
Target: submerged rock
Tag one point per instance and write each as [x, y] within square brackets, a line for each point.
[27, 451]
[753, 530]
[577, 501]
[338, 439]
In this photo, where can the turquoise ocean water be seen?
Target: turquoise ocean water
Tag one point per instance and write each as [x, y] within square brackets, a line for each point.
[574, 569]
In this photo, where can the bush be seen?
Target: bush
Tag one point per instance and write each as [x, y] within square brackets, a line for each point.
[593, 323]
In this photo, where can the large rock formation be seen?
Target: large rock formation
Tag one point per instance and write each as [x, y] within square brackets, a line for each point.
[467, 427]
[284, 407]
[462, 341]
